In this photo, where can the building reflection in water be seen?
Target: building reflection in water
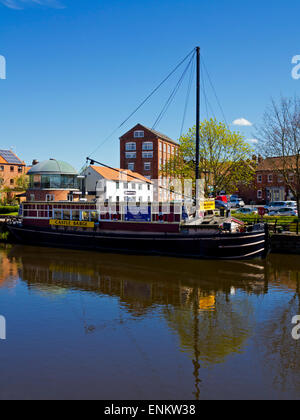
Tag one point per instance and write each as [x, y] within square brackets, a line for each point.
[196, 298]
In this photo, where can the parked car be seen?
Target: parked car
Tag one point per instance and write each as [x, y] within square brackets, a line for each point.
[236, 202]
[284, 211]
[247, 210]
[221, 205]
[222, 198]
[276, 205]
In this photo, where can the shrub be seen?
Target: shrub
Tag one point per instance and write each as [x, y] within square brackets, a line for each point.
[8, 209]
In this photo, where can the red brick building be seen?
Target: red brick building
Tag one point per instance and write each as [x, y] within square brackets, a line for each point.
[268, 184]
[145, 151]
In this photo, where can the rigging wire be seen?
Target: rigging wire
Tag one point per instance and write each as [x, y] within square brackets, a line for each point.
[207, 103]
[187, 97]
[143, 102]
[173, 94]
[214, 91]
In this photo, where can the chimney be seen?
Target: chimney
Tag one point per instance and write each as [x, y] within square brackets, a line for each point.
[260, 159]
[35, 162]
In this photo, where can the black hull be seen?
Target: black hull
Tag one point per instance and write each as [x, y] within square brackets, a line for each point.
[221, 246]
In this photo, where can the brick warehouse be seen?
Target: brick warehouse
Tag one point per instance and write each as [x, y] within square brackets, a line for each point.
[145, 151]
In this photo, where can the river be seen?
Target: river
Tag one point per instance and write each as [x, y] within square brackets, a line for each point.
[84, 325]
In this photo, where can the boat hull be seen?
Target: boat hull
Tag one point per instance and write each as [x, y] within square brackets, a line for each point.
[219, 246]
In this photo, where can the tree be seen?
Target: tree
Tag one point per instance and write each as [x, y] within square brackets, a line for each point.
[21, 183]
[224, 158]
[280, 139]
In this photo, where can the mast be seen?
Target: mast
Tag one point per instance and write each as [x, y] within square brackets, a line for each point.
[197, 122]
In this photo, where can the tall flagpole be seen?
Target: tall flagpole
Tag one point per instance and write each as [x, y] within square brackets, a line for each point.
[197, 125]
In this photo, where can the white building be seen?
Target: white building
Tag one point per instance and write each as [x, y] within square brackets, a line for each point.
[117, 185]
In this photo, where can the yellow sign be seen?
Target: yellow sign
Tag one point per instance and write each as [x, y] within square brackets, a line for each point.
[207, 205]
[74, 223]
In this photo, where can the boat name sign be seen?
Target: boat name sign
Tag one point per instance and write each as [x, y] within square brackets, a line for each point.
[75, 223]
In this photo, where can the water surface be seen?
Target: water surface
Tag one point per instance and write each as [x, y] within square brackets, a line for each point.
[83, 325]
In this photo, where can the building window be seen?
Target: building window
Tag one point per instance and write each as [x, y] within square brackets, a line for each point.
[259, 194]
[160, 147]
[147, 166]
[130, 146]
[169, 150]
[117, 185]
[280, 178]
[140, 187]
[20, 169]
[12, 169]
[50, 197]
[147, 155]
[125, 185]
[165, 148]
[133, 185]
[291, 177]
[32, 197]
[148, 177]
[70, 197]
[2, 168]
[148, 145]
[259, 178]
[12, 182]
[130, 155]
[131, 166]
[138, 134]
[270, 178]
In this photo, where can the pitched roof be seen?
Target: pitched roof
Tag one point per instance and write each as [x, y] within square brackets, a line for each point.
[276, 163]
[7, 156]
[156, 133]
[119, 174]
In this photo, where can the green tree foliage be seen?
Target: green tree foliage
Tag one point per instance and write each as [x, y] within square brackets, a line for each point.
[224, 158]
[21, 183]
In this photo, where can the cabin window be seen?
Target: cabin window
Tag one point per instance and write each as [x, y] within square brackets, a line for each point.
[57, 214]
[94, 216]
[75, 215]
[67, 215]
[138, 134]
[85, 215]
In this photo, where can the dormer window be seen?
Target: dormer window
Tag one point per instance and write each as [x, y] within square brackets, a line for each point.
[138, 134]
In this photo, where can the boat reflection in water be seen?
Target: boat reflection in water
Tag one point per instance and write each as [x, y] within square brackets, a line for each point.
[211, 307]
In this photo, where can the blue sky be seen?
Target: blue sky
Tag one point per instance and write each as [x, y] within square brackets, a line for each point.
[77, 68]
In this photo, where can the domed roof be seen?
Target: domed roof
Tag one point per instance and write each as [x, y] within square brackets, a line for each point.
[52, 166]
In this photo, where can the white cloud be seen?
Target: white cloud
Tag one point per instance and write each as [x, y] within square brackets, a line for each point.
[253, 141]
[21, 4]
[242, 122]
